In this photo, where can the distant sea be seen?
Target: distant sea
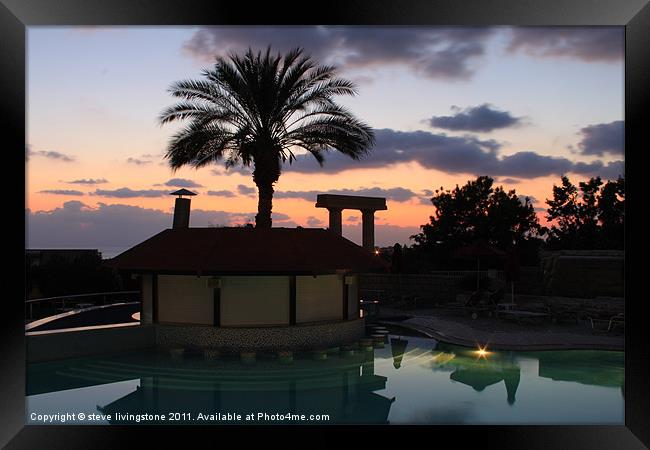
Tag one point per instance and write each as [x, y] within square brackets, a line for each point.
[110, 252]
[107, 252]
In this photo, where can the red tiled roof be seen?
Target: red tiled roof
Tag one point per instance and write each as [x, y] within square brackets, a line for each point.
[247, 250]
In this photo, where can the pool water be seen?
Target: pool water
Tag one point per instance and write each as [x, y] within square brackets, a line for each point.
[412, 380]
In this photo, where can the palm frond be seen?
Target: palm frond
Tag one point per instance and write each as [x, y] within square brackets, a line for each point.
[256, 107]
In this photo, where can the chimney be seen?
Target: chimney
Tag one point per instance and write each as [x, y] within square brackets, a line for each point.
[182, 209]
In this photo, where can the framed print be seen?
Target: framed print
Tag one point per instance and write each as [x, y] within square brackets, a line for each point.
[363, 217]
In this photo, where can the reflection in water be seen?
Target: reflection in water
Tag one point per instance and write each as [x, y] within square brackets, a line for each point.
[397, 348]
[480, 370]
[340, 387]
[582, 366]
[416, 380]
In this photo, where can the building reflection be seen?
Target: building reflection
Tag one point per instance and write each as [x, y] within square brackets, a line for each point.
[479, 371]
[595, 368]
[397, 348]
[342, 387]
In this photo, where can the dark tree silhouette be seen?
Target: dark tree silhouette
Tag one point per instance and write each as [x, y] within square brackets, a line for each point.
[477, 212]
[590, 216]
[396, 260]
[256, 109]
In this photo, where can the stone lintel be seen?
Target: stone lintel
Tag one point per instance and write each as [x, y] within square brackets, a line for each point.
[350, 202]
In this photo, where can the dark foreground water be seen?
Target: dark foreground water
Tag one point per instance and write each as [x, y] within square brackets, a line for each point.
[411, 381]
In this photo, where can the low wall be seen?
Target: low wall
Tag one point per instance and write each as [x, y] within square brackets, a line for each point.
[585, 274]
[606, 305]
[296, 337]
[75, 343]
[441, 286]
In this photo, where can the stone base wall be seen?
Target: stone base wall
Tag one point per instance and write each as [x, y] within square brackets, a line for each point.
[295, 337]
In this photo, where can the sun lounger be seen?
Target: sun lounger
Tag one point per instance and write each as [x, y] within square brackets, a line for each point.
[604, 325]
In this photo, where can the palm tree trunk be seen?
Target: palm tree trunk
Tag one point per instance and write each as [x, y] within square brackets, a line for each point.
[265, 174]
[264, 205]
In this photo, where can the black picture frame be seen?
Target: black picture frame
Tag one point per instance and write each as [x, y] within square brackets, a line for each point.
[16, 15]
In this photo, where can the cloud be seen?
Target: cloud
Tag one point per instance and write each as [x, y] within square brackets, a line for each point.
[52, 155]
[609, 171]
[137, 162]
[245, 190]
[451, 154]
[61, 192]
[224, 193]
[589, 44]
[478, 118]
[353, 218]
[221, 171]
[450, 53]
[531, 198]
[385, 234]
[76, 224]
[88, 181]
[130, 193]
[315, 222]
[398, 193]
[509, 180]
[393, 147]
[182, 182]
[279, 216]
[603, 138]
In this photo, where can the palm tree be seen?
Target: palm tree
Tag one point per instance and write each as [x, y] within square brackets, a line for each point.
[257, 109]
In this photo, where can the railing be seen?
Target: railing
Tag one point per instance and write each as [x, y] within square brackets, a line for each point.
[52, 305]
[498, 274]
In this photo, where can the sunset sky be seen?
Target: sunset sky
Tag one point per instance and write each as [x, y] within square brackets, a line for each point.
[523, 105]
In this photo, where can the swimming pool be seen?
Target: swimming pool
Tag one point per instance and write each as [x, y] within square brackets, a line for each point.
[412, 380]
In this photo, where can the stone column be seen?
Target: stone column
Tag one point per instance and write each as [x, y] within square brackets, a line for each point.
[335, 220]
[368, 228]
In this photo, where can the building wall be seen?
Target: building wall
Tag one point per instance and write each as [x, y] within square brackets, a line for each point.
[147, 300]
[353, 296]
[319, 298]
[254, 301]
[185, 299]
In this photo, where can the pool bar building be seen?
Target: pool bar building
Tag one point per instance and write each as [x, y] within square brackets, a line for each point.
[246, 288]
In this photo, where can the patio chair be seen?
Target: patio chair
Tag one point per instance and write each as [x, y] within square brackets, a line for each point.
[604, 324]
[495, 296]
[477, 303]
[617, 320]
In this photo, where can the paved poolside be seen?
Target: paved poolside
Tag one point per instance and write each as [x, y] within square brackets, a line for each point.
[501, 335]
